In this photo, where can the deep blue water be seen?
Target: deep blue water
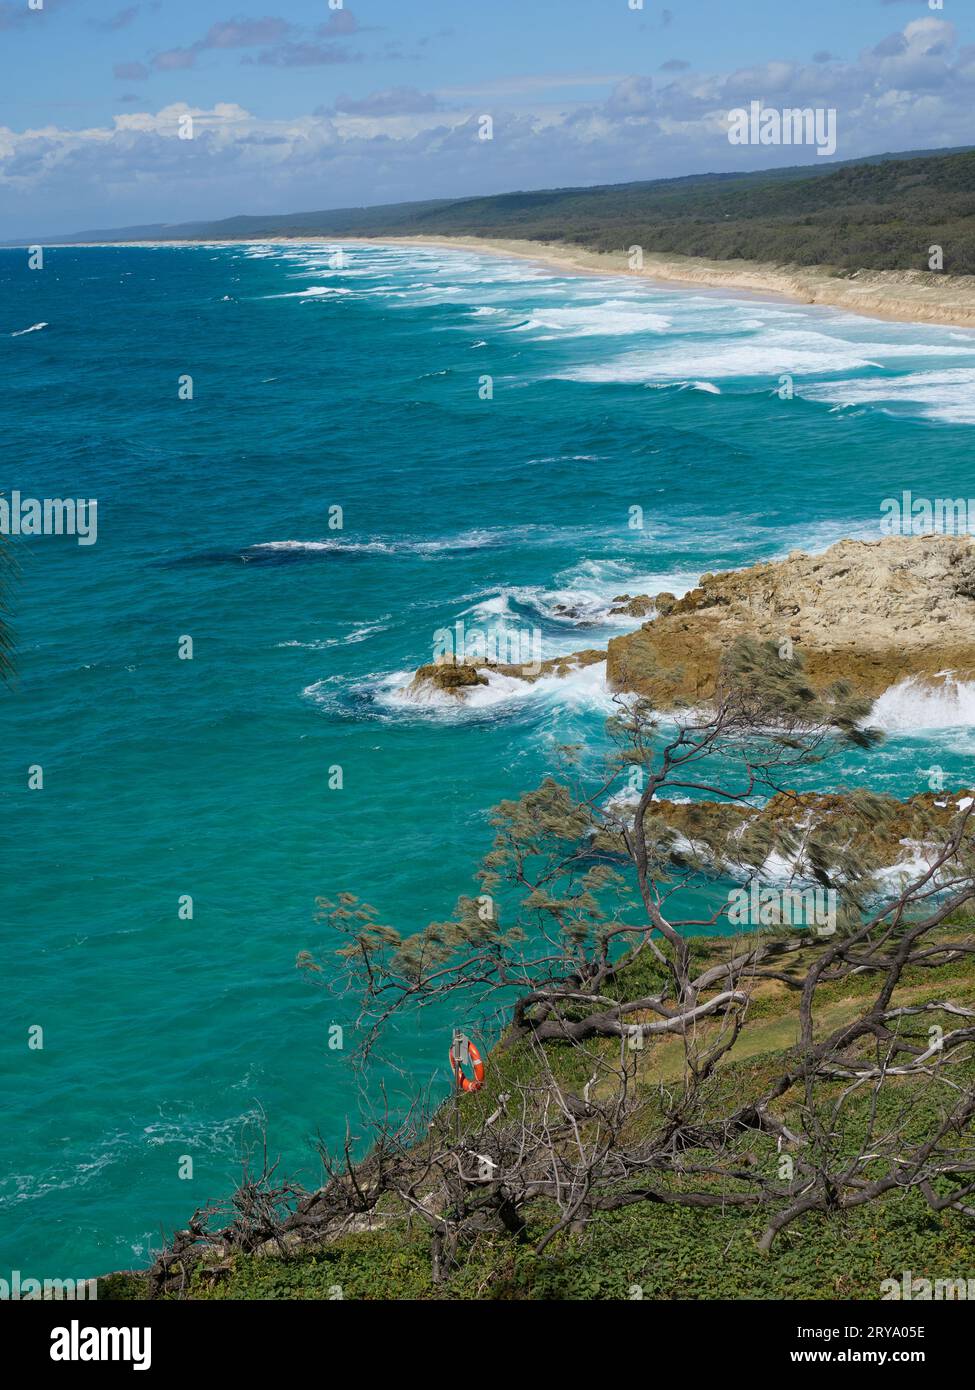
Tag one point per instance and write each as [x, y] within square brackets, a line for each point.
[357, 387]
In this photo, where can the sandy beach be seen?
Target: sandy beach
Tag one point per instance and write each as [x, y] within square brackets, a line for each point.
[910, 296]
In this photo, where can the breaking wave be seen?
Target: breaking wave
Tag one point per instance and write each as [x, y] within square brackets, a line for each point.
[941, 703]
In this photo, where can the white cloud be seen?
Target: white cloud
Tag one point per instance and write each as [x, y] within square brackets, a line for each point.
[912, 90]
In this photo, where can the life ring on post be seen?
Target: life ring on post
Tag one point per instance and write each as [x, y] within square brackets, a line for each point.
[460, 1078]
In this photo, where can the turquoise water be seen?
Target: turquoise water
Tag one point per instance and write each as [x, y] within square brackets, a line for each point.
[356, 387]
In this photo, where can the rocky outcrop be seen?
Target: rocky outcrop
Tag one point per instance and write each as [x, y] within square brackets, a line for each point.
[873, 613]
[457, 678]
[870, 612]
[453, 678]
[636, 606]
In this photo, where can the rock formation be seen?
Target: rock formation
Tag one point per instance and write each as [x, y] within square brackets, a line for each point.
[870, 612]
[873, 613]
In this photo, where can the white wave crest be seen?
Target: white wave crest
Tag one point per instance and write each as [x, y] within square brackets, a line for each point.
[584, 598]
[774, 352]
[312, 292]
[359, 634]
[948, 395]
[465, 540]
[944, 703]
[614, 317]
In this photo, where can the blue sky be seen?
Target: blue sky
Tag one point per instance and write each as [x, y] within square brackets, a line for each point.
[307, 104]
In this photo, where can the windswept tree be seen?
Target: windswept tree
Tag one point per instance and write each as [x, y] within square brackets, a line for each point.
[580, 952]
[577, 898]
[581, 880]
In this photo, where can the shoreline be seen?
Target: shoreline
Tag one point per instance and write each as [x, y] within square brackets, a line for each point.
[898, 296]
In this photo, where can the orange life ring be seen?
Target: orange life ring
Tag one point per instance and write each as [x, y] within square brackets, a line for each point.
[464, 1082]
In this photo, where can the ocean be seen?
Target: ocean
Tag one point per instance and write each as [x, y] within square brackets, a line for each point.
[487, 428]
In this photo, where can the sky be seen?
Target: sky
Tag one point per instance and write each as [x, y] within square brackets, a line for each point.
[299, 105]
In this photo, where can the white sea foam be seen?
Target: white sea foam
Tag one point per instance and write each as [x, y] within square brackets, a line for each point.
[945, 703]
[319, 646]
[914, 864]
[368, 547]
[912, 706]
[117, 1146]
[583, 597]
[325, 692]
[466, 540]
[940, 395]
[775, 352]
[611, 318]
[497, 605]
[34, 328]
[582, 688]
[312, 292]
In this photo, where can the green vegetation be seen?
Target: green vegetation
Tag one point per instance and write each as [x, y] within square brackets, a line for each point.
[668, 1251]
[878, 216]
[882, 213]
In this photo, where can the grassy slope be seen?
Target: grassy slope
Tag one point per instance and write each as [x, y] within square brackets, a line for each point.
[670, 1252]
